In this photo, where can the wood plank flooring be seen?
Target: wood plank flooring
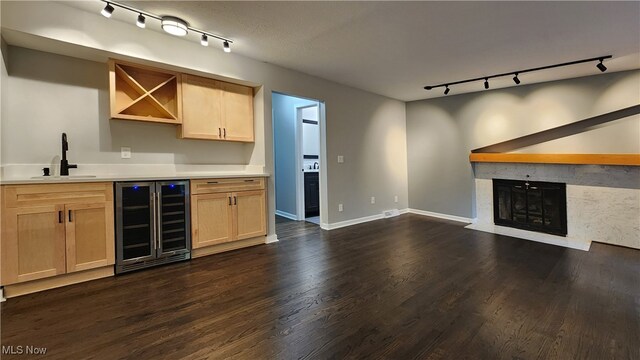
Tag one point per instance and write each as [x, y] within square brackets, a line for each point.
[400, 288]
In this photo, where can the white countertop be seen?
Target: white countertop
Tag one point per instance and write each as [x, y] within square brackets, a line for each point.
[103, 178]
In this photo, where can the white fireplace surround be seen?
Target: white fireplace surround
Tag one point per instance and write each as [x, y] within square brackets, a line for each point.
[603, 202]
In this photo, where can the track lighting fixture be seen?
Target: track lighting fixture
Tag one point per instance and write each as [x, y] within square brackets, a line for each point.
[141, 22]
[170, 24]
[601, 66]
[107, 11]
[515, 74]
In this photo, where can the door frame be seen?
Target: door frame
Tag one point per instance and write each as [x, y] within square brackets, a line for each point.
[322, 118]
[300, 158]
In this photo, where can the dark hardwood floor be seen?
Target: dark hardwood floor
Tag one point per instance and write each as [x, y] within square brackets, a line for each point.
[399, 288]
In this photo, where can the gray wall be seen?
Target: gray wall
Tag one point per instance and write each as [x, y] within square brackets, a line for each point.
[441, 132]
[284, 147]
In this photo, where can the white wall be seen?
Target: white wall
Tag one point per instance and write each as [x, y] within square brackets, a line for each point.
[367, 129]
[284, 134]
[441, 132]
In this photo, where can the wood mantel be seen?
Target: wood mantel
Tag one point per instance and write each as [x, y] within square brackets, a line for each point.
[574, 159]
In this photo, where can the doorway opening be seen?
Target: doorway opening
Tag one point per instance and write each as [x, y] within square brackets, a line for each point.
[299, 156]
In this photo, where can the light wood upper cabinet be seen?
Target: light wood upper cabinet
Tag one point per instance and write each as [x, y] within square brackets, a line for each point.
[89, 236]
[216, 110]
[33, 243]
[143, 93]
[249, 214]
[237, 112]
[49, 230]
[201, 108]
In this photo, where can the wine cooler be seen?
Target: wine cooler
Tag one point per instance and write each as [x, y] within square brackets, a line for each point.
[152, 224]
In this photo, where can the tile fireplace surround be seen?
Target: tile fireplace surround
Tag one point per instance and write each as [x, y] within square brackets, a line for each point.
[603, 202]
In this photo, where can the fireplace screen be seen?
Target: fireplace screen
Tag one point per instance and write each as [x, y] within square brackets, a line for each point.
[530, 205]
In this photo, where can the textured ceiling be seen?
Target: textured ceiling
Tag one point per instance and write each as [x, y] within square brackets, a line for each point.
[395, 48]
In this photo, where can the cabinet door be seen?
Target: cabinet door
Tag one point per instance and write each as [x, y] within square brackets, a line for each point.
[90, 237]
[33, 244]
[249, 214]
[211, 224]
[237, 112]
[201, 110]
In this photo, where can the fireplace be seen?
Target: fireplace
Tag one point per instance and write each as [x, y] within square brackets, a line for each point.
[530, 205]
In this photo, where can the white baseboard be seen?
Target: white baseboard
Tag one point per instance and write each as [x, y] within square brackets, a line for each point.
[567, 242]
[441, 216]
[341, 224]
[286, 215]
[346, 223]
[271, 239]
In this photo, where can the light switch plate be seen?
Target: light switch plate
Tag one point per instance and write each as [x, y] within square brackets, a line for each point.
[125, 152]
[340, 208]
[340, 159]
[395, 198]
[373, 199]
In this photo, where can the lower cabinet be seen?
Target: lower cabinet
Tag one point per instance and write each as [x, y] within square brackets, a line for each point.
[50, 230]
[227, 210]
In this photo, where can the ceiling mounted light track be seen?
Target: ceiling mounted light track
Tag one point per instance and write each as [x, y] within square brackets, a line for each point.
[516, 79]
[170, 24]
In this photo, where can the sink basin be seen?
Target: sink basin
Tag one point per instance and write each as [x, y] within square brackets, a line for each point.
[63, 178]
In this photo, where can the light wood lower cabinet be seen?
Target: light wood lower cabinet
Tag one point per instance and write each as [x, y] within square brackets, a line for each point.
[227, 210]
[50, 230]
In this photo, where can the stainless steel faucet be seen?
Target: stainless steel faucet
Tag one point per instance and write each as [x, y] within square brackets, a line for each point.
[64, 164]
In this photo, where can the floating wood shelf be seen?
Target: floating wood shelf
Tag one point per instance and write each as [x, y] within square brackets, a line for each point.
[575, 159]
[143, 93]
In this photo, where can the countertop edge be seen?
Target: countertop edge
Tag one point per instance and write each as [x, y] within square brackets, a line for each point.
[57, 180]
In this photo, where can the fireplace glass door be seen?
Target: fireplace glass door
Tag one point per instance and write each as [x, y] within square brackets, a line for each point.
[529, 205]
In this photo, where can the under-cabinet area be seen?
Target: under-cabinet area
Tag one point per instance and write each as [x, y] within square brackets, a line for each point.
[59, 234]
[203, 108]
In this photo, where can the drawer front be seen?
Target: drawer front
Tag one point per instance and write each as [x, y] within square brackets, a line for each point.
[209, 186]
[19, 196]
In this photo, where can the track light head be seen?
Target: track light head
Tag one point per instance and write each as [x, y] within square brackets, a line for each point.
[486, 83]
[227, 47]
[107, 11]
[601, 66]
[428, 87]
[141, 22]
[204, 40]
[515, 79]
[446, 90]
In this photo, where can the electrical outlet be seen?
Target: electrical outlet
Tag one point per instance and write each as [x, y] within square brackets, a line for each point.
[340, 208]
[340, 159]
[125, 152]
[395, 198]
[373, 199]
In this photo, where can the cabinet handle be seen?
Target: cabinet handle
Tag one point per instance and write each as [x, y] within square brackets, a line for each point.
[235, 200]
[534, 188]
[219, 132]
[70, 219]
[225, 132]
[229, 200]
[252, 180]
[212, 182]
[518, 187]
[60, 216]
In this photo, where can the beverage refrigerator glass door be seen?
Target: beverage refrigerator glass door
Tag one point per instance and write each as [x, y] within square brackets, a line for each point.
[152, 223]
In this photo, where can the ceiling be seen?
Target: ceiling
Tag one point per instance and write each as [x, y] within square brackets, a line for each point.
[396, 48]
